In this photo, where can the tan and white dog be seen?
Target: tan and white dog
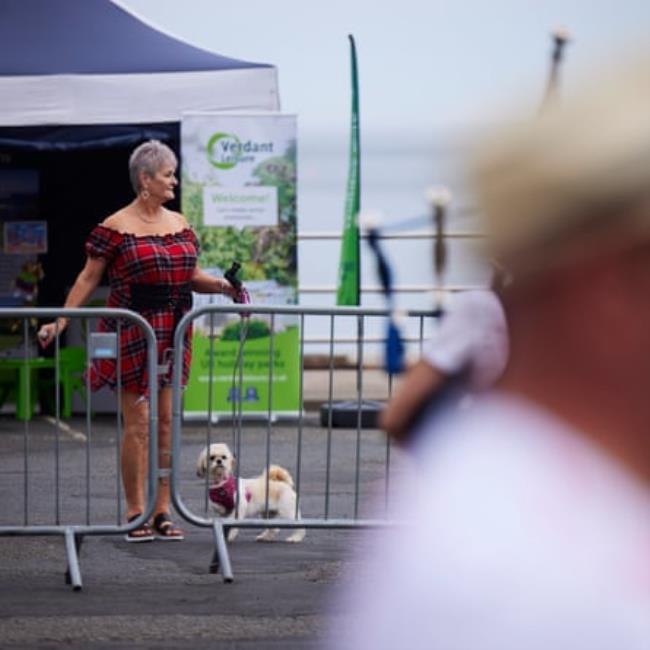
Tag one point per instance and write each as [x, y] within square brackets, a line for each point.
[248, 495]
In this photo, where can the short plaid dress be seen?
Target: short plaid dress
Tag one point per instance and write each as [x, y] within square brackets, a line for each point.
[168, 260]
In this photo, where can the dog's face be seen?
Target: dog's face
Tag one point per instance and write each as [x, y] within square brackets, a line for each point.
[218, 461]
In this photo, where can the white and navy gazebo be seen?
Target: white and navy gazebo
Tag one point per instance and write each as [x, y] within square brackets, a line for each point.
[82, 82]
[93, 62]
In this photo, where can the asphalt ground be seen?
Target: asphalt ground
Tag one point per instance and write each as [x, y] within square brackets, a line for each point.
[160, 594]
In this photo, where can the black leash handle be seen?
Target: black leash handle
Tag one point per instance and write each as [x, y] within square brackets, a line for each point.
[231, 275]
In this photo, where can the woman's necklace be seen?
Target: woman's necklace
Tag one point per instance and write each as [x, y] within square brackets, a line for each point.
[142, 217]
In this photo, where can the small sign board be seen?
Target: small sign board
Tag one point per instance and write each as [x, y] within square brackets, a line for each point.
[103, 345]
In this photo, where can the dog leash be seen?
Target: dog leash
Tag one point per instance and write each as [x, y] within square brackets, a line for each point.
[242, 297]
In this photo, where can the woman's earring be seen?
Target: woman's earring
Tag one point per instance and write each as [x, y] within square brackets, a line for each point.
[145, 195]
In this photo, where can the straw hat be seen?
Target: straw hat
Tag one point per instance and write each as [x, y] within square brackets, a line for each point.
[578, 173]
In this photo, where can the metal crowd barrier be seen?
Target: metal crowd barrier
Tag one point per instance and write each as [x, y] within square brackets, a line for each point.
[35, 453]
[319, 508]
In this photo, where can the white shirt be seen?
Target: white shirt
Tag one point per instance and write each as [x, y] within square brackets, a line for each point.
[527, 537]
[473, 335]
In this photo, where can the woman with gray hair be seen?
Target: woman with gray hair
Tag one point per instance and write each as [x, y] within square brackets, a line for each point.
[150, 254]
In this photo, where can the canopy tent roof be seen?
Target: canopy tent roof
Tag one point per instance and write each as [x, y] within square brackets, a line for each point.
[92, 62]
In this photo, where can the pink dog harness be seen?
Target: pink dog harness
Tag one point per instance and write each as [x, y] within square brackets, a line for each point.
[224, 494]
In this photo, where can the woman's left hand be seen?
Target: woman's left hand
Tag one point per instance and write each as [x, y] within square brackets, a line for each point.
[202, 282]
[226, 288]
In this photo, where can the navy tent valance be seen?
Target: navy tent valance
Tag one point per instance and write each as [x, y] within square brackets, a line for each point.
[84, 137]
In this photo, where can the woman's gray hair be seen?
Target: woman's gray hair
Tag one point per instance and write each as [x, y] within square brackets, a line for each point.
[149, 157]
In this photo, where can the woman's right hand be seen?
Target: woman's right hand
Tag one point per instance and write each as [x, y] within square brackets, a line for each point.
[49, 331]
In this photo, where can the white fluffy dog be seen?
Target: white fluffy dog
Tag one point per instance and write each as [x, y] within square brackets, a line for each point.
[219, 462]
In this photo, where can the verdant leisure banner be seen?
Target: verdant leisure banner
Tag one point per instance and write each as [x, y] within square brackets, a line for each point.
[239, 192]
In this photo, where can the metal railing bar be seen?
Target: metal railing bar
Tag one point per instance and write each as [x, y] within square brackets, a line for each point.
[301, 358]
[208, 440]
[420, 338]
[388, 458]
[296, 310]
[328, 465]
[57, 432]
[118, 481]
[88, 423]
[353, 339]
[404, 288]
[97, 530]
[24, 377]
[408, 234]
[357, 468]
[324, 524]
[237, 396]
[270, 412]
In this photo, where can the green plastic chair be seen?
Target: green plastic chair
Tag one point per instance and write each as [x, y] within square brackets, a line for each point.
[9, 388]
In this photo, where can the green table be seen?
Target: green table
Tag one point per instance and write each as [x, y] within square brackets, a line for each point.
[26, 372]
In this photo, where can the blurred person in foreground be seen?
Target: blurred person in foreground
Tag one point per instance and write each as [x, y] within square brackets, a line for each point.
[466, 355]
[532, 508]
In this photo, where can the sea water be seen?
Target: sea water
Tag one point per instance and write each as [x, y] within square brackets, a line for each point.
[396, 172]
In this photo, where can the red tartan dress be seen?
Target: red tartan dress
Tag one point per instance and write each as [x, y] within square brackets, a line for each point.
[167, 260]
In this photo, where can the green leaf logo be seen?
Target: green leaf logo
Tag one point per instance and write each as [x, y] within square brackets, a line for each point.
[224, 150]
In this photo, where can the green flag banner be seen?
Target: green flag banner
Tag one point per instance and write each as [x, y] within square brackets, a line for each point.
[348, 292]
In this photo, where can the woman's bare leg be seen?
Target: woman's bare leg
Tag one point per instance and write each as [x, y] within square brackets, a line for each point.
[164, 447]
[161, 521]
[135, 448]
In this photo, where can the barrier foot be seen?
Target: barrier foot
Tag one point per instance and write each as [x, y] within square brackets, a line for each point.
[72, 547]
[221, 557]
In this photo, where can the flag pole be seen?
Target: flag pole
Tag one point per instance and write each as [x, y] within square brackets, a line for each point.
[358, 413]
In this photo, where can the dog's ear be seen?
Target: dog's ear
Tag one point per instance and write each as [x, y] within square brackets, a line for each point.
[200, 464]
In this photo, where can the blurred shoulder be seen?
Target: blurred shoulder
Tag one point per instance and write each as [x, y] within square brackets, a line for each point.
[476, 303]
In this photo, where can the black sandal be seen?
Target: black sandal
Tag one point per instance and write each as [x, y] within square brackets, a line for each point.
[141, 534]
[165, 529]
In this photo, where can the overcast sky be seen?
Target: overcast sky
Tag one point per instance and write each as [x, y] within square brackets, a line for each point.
[425, 65]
